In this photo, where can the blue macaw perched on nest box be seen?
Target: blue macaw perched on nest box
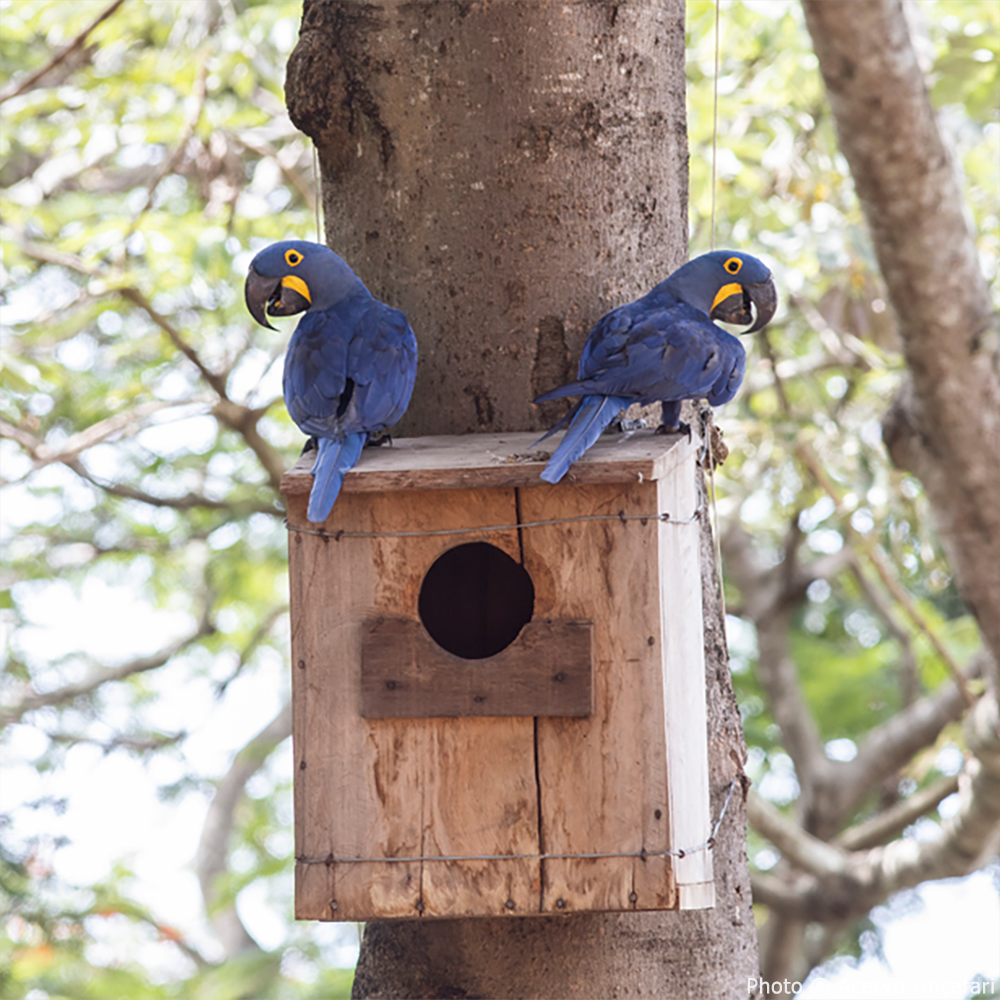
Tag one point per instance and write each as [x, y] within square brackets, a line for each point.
[665, 348]
[350, 364]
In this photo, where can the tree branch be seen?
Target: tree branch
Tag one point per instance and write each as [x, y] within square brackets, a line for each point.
[798, 847]
[127, 422]
[135, 743]
[888, 578]
[265, 626]
[32, 79]
[213, 848]
[233, 415]
[889, 746]
[72, 262]
[244, 421]
[846, 885]
[843, 346]
[70, 692]
[170, 164]
[186, 502]
[769, 594]
[892, 821]
[215, 380]
[909, 676]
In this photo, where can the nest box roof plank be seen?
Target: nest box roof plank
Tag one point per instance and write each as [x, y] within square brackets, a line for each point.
[496, 460]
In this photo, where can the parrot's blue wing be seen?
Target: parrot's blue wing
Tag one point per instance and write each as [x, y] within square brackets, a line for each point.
[350, 369]
[730, 377]
[591, 416]
[383, 363]
[315, 381]
[334, 459]
[664, 355]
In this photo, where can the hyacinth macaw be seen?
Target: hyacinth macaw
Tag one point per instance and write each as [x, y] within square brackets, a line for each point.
[351, 362]
[665, 348]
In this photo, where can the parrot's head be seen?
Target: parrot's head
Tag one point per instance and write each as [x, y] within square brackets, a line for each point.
[725, 284]
[293, 276]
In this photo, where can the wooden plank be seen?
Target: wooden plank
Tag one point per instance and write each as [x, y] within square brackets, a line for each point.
[603, 787]
[547, 670]
[377, 788]
[495, 460]
[344, 806]
[481, 799]
[685, 712]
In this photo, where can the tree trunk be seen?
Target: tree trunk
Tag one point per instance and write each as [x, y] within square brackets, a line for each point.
[505, 173]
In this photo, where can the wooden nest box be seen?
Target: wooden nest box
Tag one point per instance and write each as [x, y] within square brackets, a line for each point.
[499, 684]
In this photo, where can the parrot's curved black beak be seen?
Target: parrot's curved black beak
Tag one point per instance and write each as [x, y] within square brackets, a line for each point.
[282, 296]
[259, 291]
[736, 309]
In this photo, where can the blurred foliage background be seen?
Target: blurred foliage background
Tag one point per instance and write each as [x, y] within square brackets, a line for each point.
[143, 589]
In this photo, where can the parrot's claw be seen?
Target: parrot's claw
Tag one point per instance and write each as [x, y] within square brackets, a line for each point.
[627, 425]
[682, 427]
[311, 444]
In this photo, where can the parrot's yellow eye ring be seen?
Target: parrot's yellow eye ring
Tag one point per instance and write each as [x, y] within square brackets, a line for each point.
[733, 265]
[292, 257]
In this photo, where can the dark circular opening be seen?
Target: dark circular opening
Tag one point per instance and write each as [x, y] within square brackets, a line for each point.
[475, 600]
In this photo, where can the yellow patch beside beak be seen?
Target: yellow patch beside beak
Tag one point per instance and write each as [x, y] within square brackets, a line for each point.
[724, 292]
[296, 284]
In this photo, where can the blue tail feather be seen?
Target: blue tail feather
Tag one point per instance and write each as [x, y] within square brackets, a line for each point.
[334, 459]
[592, 416]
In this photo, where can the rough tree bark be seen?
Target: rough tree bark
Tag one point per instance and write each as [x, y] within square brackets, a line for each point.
[505, 173]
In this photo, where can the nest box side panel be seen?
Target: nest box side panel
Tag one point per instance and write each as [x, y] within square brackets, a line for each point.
[685, 710]
[603, 781]
[382, 788]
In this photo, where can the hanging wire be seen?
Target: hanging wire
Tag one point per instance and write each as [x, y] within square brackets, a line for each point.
[707, 422]
[715, 114]
[706, 845]
[318, 197]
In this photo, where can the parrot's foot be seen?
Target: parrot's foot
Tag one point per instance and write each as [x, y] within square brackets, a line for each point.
[377, 442]
[625, 425]
[311, 444]
[682, 427]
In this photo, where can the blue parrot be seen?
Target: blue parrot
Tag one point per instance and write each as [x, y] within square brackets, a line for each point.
[664, 348]
[350, 364]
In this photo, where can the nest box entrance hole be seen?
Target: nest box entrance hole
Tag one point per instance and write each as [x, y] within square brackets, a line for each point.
[476, 649]
[475, 599]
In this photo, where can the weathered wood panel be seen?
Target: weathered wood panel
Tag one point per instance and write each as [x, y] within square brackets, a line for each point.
[353, 789]
[547, 670]
[603, 779]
